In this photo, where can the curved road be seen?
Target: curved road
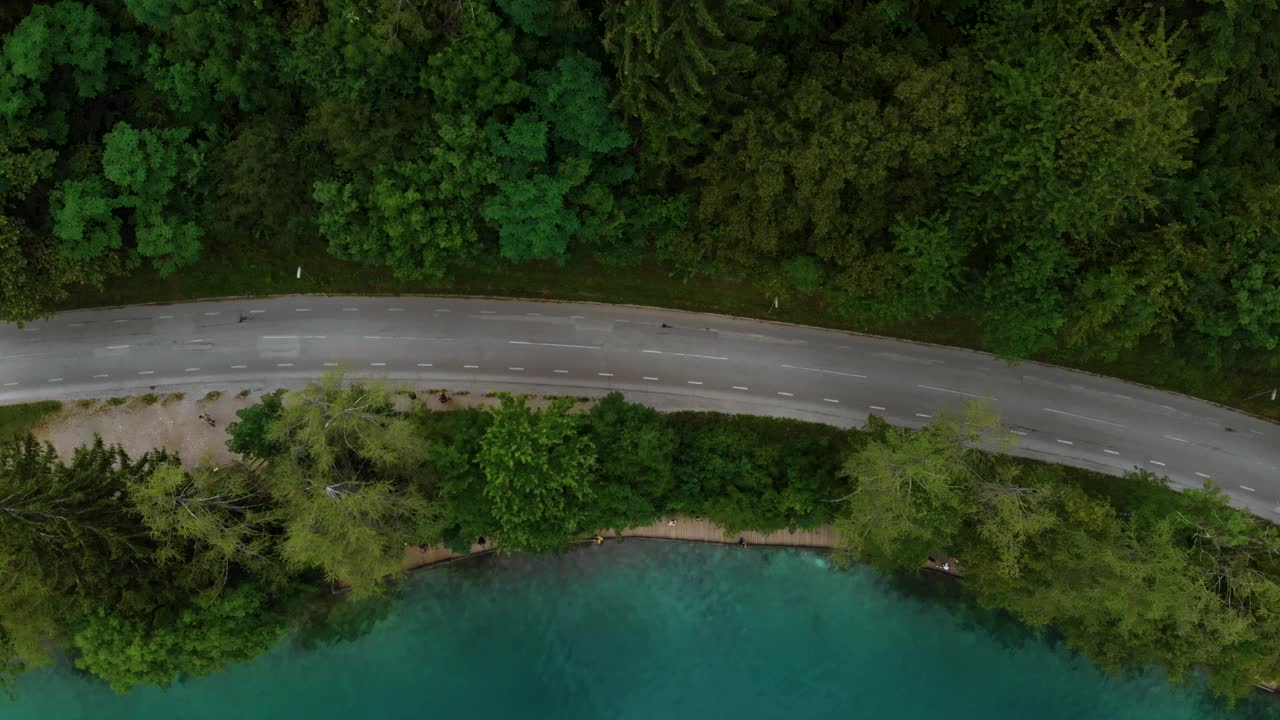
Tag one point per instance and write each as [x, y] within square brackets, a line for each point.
[668, 359]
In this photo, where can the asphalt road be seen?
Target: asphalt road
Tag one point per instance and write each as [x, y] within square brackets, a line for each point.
[668, 359]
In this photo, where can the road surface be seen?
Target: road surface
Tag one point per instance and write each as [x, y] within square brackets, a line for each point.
[669, 359]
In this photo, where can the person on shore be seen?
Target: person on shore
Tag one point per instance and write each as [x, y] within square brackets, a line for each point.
[599, 540]
[671, 523]
[742, 542]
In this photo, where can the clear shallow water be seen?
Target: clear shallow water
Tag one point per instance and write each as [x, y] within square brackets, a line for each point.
[647, 630]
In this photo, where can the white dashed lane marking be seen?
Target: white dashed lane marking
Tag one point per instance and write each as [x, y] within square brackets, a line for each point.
[955, 392]
[923, 415]
[1170, 437]
[786, 394]
[1066, 442]
[331, 364]
[165, 317]
[829, 400]
[372, 364]
[55, 379]
[10, 384]
[255, 312]
[1018, 432]
[302, 309]
[1246, 487]
[605, 374]
[650, 379]
[562, 372]
[1082, 417]
[1206, 477]
[559, 345]
[104, 375]
[740, 387]
[1156, 462]
[239, 367]
[284, 364]
[875, 407]
[191, 370]
[679, 354]
[350, 309]
[215, 312]
[516, 369]
[471, 367]
[146, 372]
[1110, 452]
[424, 364]
[117, 347]
[829, 372]
[694, 382]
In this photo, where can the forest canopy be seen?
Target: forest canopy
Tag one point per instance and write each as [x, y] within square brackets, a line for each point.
[1087, 175]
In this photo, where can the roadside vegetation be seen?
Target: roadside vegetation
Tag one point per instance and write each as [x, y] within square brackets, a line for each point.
[1091, 182]
[19, 420]
[143, 572]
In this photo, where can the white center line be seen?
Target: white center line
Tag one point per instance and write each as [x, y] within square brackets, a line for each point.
[1082, 417]
[350, 309]
[1110, 452]
[1018, 432]
[829, 372]
[395, 309]
[8, 384]
[440, 310]
[255, 312]
[55, 379]
[692, 355]
[284, 364]
[829, 400]
[605, 374]
[923, 415]
[1156, 462]
[424, 364]
[302, 309]
[650, 379]
[331, 364]
[198, 340]
[560, 371]
[516, 369]
[786, 394]
[471, 367]
[378, 364]
[115, 321]
[488, 312]
[165, 317]
[117, 347]
[146, 372]
[215, 312]
[1170, 437]
[1066, 442]
[297, 337]
[740, 387]
[1246, 487]
[82, 324]
[1206, 477]
[104, 375]
[955, 392]
[239, 367]
[191, 370]
[875, 407]
[694, 382]
[533, 314]
[577, 317]
[542, 344]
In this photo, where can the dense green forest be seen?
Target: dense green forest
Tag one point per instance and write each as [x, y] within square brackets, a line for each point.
[1091, 176]
[141, 571]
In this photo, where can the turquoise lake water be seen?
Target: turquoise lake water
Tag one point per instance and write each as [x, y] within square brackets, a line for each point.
[645, 629]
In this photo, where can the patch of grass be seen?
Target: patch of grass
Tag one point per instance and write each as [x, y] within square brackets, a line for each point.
[18, 420]
[173, 398]
[212, 395]
[86, 403]
[150, 399]
[117, 401]
[243, 394]
[250, 269]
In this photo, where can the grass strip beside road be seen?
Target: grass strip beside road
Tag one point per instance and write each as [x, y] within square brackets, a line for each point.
[261, 271]
[18, 420]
